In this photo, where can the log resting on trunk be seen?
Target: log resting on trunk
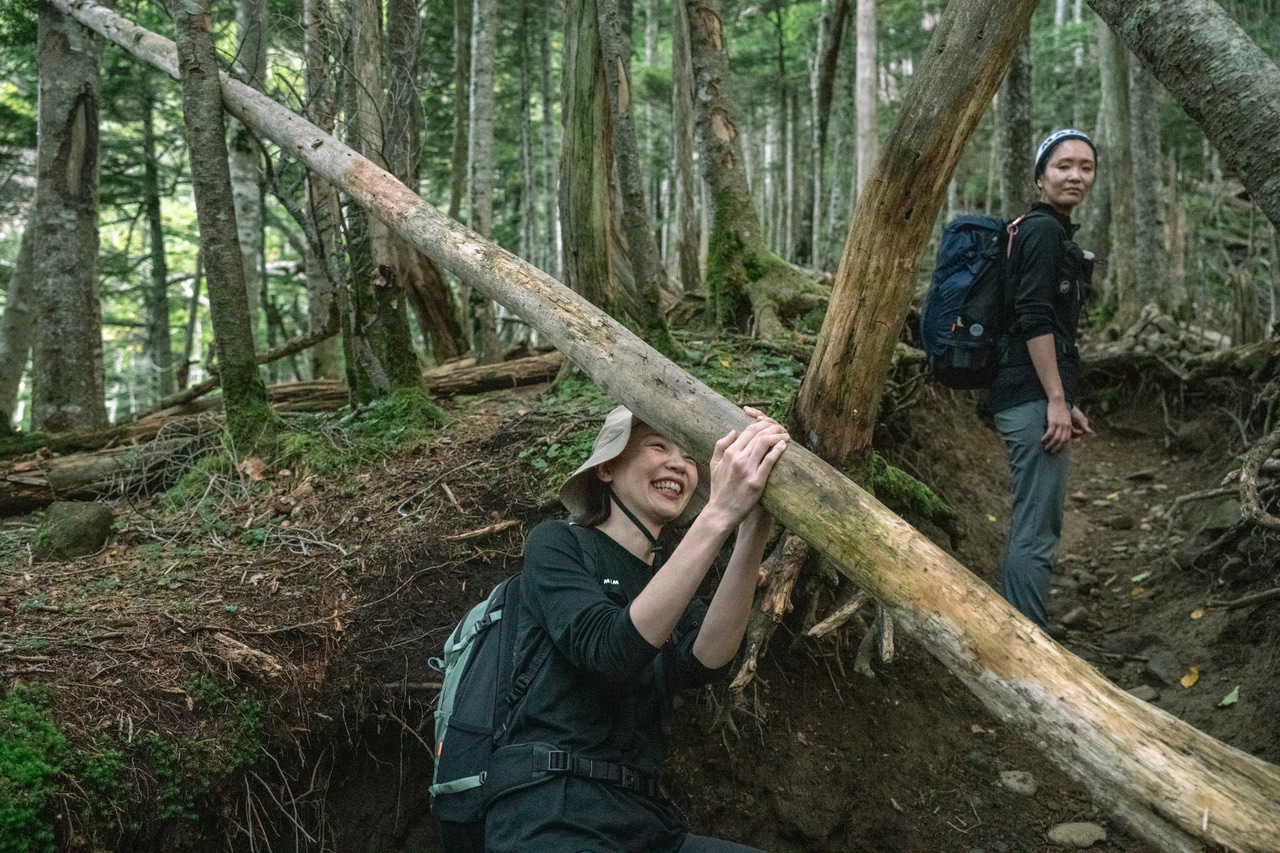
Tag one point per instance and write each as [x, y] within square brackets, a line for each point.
[1171, 783]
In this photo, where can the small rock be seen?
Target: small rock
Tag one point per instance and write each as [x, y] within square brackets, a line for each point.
[1145, 692]
[1020, 782]
[1078, 835]
[1118, 521]
[1166, 666]
[1075, 616]
[72, 529]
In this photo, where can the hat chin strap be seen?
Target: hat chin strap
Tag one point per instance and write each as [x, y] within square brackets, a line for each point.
[655, 547]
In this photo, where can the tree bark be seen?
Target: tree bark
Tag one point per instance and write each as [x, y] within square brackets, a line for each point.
[866, 94]
[749, 286]
[246, 157]
[1170, 783]
[159, 345]
[648, 273]
[250, 423]
[321, 261]
[594, 263]
[1113, 59]
[1014, 145]
[378, 323]
[484, 35]
[1220, 77]
[409, 270]
[1150, 259]
[840, 396]
[461, 106]
[689, 271]
[17, 327]
[67, 379]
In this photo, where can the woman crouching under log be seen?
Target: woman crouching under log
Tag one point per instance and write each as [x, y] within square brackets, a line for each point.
[577, 768]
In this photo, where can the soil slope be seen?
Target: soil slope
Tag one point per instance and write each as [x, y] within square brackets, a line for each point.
[325, 596]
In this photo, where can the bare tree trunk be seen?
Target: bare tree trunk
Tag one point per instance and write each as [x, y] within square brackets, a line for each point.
[749, 286]
[1014, 145]
[840, 395]
[866, 96]
[594, 264]
[461, 105]
[1114, 63]
[687, 239]
[1219, 76]
[1150, 260]
[159, 346]
[246, 159]
[67, 375]
[646, 263]
[1170, 783]
[410, 274]
[322, 298]
[17, 326]
[555, 264]
[484, 35]
[250, 422]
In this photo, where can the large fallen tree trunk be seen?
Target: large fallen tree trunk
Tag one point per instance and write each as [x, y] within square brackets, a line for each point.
[1171, 783]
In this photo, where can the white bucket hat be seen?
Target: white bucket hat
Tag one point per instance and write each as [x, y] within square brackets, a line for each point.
[610, 442]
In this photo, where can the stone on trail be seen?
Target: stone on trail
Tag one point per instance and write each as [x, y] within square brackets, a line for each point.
[1145, 692]
[1079, 835]
[1166, 666]
[1020, 782]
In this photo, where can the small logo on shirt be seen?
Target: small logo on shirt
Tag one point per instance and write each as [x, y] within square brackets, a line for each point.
[611, 582]
[1064, 286]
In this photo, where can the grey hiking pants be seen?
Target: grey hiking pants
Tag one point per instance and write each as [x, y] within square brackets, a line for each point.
[1038, 481]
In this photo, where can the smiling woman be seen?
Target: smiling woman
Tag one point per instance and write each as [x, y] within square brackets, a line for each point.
[577, 767]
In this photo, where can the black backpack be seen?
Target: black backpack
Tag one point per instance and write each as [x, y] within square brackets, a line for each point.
[969, 307]
[478, 698]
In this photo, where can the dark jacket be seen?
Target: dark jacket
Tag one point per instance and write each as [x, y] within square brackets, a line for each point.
[603, 693]
[1051, 282]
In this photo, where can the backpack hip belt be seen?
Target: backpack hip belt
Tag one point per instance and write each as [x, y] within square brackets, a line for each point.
[521, 765]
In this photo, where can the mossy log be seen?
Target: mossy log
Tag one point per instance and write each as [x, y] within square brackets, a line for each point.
[1170, 783]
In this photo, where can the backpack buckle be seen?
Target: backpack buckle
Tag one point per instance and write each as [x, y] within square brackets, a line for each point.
[557, 761]
[630, 778]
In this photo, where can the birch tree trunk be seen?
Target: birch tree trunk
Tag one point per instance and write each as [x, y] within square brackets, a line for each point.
[159, 346]
[250, 423]
[866, 95]
[67, 373]
[1220, 77]
[1171, 784]
[247, 180]
[17, 326]
[484, 35]
[1114, 66]
[322, 261]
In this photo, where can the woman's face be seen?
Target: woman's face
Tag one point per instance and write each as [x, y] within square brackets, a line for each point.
[1068, 175]
[653, 476]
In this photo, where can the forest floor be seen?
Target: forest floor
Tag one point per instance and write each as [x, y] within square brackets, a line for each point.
[320, 597]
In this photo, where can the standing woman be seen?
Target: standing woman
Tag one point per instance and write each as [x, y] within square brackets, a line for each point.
[610, 629]
[1035, 392]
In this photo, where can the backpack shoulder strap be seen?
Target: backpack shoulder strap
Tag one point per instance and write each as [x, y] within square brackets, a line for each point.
[521, 683]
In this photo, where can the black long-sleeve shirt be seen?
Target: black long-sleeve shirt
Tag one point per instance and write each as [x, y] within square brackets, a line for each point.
[603, 693]
[1051, 282]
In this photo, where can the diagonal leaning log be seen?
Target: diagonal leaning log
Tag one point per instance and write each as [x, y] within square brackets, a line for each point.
[1172, 784]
